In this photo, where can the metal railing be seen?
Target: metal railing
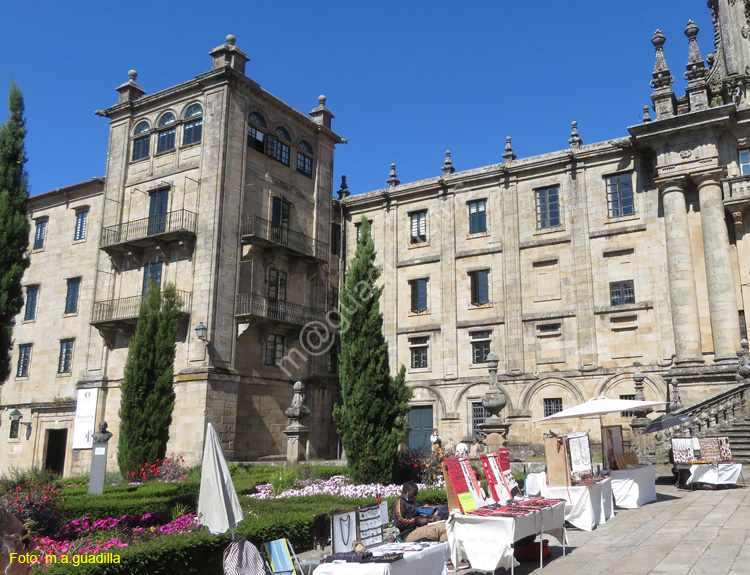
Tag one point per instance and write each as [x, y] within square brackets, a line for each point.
[129, 307]
[176, 221]
[258, 227]
[248, 304]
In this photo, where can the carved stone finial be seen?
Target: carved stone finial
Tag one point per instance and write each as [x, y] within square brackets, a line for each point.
[322, 100]
[298, 410]
[448, 164]
[646, 115]
[696, 68]
[508, 156]
[575, 140]
[344, 191]
[231, 39]
[132, 74]
[662, 77]
[393, 181]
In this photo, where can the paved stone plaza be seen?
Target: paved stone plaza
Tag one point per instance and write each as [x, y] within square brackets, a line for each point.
[687, 532]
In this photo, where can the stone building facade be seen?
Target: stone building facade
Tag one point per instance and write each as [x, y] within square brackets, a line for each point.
[581, 267]
[222, 189]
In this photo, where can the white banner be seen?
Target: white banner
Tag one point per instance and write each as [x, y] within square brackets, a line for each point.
[84, 424]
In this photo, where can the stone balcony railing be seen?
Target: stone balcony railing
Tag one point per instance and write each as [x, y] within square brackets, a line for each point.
[257, 306]
[256, 228]
[178, 221]
[127, 309]
[736, 189]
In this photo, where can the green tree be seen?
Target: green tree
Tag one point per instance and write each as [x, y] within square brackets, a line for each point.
[147, 393]
[14, 222]
[371, 416]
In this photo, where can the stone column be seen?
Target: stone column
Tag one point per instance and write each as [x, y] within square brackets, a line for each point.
[680, 272]
[722, 297]
[296, 433]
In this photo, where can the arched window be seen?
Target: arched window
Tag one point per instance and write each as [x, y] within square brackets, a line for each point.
[279, 149]
[141, 141]
[166, 136]
[304, 161]
[193, 128]
[255, 134]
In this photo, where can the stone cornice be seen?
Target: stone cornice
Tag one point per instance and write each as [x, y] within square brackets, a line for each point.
[708, 119]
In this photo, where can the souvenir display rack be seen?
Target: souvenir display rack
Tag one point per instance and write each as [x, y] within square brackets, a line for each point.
[695, 450]
[357, 524]
[579, 449]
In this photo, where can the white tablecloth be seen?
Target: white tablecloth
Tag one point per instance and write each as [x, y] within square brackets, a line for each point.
[713, 473]
[634, 487]
[487, 541]
[587, 505]
[429, 561]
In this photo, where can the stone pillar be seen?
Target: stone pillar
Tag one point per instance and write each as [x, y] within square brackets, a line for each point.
[680, 273]
[640, 421]
[722, 297]
[296, 433]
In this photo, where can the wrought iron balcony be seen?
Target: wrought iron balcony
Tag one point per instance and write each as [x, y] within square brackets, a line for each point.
[149, 231]
[116, 312]
[260, 231]
[249, 305]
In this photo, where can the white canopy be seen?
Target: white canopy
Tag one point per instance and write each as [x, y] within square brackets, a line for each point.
[601, 406]
[218, 506]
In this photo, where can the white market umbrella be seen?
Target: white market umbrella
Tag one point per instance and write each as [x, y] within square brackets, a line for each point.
[218, 506]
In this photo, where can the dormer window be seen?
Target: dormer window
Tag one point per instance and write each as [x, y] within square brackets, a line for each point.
[304, 159]
[193, 129]
[277, 146]
[141, 141]
[256, 132]
[166, 135]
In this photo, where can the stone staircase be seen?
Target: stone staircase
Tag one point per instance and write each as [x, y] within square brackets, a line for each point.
[739, 439]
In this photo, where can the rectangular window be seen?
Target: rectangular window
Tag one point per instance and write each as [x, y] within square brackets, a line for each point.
[477, 216]
[418, 227]
[745, 162]
[480, 346]
[165, 140]
[29, 311]
[620, 196]
[71, 299]
[151, 273]
[39, 234]
[419, 294]
[333, 298]
[141, 147]
[276, 284]
[14, 425]
[418, 347]
[192, 132]
[552, 405]
[627, 413]
[80, 231]
[743, 325]
[336, 239]
[621, 293]
[333, 359]
[280, 213]
[480, 289]
[158, 208]
[274, 349]
[304, 165]
[277, 149]
[255, 139]
[65, 361]
[24, 358]
[547, 208]
[479, 415]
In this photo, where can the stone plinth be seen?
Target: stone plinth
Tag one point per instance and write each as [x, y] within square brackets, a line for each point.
[296, 443]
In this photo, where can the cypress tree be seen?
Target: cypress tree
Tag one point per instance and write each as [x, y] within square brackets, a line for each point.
[14, 222]
[147, 393]
[371, 415]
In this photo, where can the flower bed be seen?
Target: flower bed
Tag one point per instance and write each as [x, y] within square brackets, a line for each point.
[338, 485]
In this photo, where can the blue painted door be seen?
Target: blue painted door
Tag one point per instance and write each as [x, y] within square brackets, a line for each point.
[420, 427]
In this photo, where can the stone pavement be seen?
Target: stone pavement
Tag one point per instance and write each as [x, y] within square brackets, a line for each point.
[684, 532]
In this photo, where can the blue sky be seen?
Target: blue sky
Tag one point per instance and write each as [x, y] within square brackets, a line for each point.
[405, 80]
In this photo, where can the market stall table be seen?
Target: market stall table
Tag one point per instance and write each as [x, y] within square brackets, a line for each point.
[712, 473]
[586, 505]
[634, 486]
[487, 542]
[429, 561]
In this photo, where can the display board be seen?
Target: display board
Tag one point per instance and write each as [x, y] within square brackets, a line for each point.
[459, 484]
[725, 453]
[611, 444]
[471, 480]
[683, 450]
[503, 458]
[494, 474]
[343, 530]
[556, 454]
[710, 448]
[370, 525]
[579, 449]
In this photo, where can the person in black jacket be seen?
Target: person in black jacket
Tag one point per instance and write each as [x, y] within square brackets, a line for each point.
[412, 525]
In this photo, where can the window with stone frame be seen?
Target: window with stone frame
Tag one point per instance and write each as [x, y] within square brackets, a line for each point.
[744, 161]
[192, 130]
[71, 297]
[14, 427]
[278, 147]
[166, 134]
[621, 293]
[276, 285]
[480, 346]
[480, 287]
[547, 207]
[743, 325]
[418, 227]
[32, 293]
[620, 195]
[552, 405]
[477, 216]
[479, 415]
[141, 141]
[40, 232]
[336, 239]
[418, 348]
[274, 349]
[627, 413]
[304, 159]
[256, 135]
[333, 359]
[418, 294]
[24, 360]
[65, 359]
[81, 223]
